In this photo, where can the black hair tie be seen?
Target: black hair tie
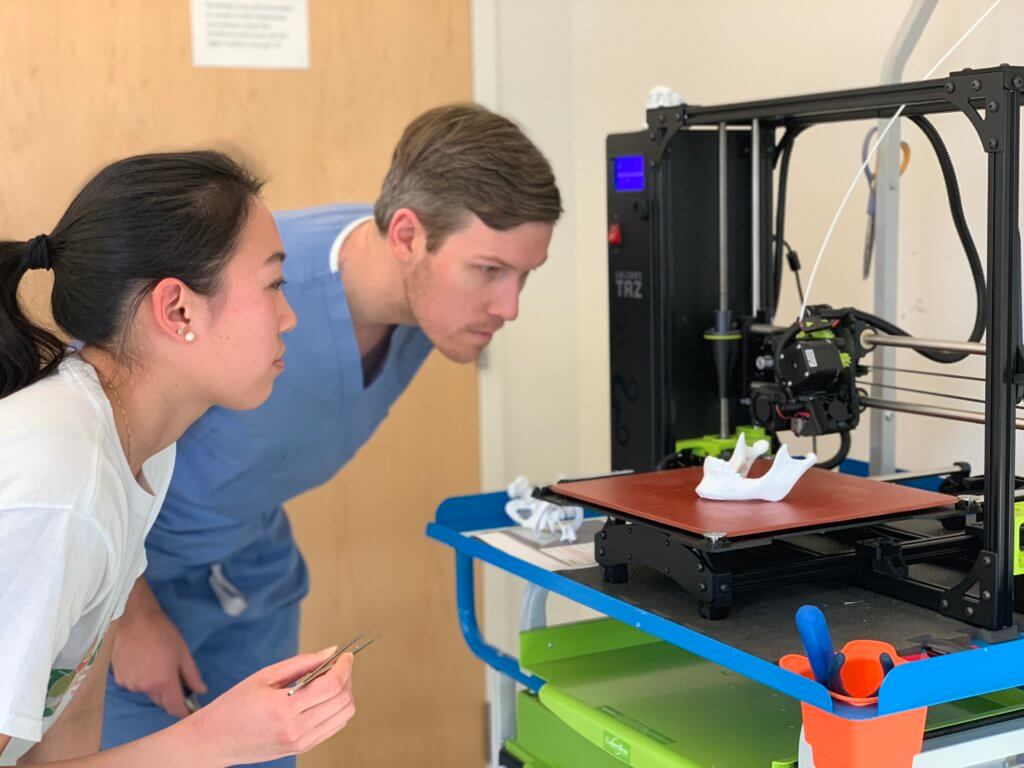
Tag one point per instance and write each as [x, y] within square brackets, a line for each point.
[38, 256]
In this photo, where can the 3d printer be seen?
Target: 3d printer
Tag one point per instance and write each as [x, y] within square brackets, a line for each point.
[696, 254]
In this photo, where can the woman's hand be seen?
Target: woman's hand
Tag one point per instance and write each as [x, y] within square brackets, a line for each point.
[257, 720]
[151, 656]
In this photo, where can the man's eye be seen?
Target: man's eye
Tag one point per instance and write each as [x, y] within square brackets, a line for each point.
[489, 269]
[278, 285]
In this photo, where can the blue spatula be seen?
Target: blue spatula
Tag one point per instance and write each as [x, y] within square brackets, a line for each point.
[813, 629]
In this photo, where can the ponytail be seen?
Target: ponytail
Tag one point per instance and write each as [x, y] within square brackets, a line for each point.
[27, 351]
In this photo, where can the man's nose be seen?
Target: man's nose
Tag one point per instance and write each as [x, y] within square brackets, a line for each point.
[506, 304]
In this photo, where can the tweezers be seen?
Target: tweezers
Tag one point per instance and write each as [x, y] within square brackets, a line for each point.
[357, 644]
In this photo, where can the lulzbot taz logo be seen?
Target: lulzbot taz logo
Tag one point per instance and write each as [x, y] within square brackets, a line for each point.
[617, 747]
[629, 284]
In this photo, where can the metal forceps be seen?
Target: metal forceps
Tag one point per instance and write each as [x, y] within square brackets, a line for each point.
[357, 643]
[869, 235]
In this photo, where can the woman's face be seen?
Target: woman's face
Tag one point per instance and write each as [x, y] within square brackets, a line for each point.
[240, 346]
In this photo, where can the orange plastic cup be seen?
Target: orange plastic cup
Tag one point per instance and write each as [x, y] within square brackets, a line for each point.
[891, 741]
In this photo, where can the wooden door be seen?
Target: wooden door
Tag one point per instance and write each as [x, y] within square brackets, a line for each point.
[83, 82]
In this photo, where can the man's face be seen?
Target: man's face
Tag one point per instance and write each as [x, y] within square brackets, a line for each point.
[463, 293]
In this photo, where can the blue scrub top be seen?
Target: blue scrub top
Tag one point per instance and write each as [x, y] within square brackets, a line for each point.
[235, 469]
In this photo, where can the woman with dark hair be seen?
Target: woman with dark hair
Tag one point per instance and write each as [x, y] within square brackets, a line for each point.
[167, 274]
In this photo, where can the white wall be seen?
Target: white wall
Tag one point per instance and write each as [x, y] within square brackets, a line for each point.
[573, 71]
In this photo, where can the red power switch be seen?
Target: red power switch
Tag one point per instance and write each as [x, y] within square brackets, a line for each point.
[614, 233]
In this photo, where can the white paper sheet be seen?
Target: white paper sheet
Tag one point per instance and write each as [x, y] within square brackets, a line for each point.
[260, 34]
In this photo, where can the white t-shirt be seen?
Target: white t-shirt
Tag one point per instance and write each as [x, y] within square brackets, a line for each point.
[73, 520]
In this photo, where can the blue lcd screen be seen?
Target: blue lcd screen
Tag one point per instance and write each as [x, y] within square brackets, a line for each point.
[629, 173]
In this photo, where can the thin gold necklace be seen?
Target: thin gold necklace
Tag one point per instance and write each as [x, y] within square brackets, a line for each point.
[124, 417]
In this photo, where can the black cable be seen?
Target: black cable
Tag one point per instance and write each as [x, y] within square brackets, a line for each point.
[930, 393]
[784, 153]
[787, 141]
[667, 461]
[956, 208]
[799, 287]
[841, 454]
[794, 267]
[924, 373]
[960, 222]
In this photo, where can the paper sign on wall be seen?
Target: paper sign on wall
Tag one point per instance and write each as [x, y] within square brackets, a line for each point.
[263, 34]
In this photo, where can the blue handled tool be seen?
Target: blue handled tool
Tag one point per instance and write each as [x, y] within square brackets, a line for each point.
[835, 679]
[813, 629]
[835, 668]
[887, 664]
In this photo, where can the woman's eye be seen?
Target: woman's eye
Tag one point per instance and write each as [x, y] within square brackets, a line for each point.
[277, 286]
[489, 270]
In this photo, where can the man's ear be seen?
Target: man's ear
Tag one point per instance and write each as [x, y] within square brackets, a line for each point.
[171, 305]
[406, 236]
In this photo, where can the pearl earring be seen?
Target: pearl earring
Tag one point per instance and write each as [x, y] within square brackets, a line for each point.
[189, 337]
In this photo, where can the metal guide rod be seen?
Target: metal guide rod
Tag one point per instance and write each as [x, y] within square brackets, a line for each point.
[871, 339]
[723, 418]
[940, 412]
[940, 374]
[723, 258]
[918, 474]
[928, 392]
[723, 223]
[755, 214]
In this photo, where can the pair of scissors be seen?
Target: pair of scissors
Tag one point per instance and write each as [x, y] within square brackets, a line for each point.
[356, 644]
[826, 663]
[869, 235]
[835, 668]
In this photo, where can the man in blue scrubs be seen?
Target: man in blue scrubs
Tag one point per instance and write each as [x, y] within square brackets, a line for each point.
[465, 214]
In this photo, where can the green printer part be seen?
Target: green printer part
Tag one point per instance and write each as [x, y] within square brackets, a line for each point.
[713, 445]
[615, 696]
